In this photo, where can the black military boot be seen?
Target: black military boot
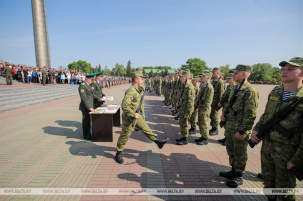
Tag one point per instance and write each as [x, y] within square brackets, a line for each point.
[203, 142]
[235, 181]
[214, 131]
[192, 130]
[176, 118]
[199, 139]
[161, 143]
[229, 174]
[182, 141]
[222, 141]
[118, 157]
[259, 175]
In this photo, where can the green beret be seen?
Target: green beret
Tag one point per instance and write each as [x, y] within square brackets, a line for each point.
[90, 75]
[230, 75]
[296, 61]
[186, 73]
[242, 67]
[137, 74]
[215, 69]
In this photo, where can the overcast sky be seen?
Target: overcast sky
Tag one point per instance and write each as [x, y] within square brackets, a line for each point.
[156, 32]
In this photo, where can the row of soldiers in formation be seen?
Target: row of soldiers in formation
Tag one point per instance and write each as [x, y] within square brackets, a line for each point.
[280, 127]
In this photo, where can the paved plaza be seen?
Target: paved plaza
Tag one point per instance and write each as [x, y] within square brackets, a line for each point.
[41, 146]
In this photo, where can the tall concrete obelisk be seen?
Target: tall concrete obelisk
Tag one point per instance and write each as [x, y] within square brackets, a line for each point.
[41, 34]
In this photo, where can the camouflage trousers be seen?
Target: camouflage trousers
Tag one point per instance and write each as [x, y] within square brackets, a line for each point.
[127, 129]
[274, 158]
[203, 124]
[183, 123]
[236, 149]
[193, 118]
[9, 80]
[214, 118]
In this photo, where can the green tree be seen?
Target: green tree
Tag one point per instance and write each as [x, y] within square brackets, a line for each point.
[128, 69]
[195, 65]
[107, 71]
[119, 70]
[262, 72]
[225, 69]
[80, 65]
[99, 68]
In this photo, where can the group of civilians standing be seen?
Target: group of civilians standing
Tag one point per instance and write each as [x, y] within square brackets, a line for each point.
[26, 74]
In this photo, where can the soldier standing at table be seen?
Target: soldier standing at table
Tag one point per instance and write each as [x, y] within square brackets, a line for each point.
[8, 71]
[218, 86]
[239, 119]
[224, 99]
[186, 106]
[97, 89]
[203, 101]
[130, 104]
[86, 104]
[282, 147]
[192, 120]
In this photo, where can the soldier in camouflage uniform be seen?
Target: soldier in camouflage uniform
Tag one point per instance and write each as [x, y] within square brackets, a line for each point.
[186, 104]
[192, 120]
[203, 103]
[176, 93]
[86, 104]
[224, 99]
[130, 104]
[44, 76]
[279, 152]
[219, 89]
[8, 71]
[239, 121]
[97, 89]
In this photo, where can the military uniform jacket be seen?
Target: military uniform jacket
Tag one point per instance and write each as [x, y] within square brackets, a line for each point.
[131, 102]
[44, 73]
[187, 99]
[206, 99]
[219, 89]
[97, 90]
[225, 96]
[7, 71]
[292, 122]
[87, 97]
[245, 107]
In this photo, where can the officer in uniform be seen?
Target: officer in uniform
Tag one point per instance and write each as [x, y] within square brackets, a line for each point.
[130, 104]
[186, 106]
[203, 102]
[282, 149]
[192, 120]
[8, 71]
[97, 89]
[224, 99]
[239, 120]
[86, 104]
[218, 85]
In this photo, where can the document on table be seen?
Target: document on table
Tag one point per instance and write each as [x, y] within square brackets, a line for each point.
[109, 98]
[110, 111]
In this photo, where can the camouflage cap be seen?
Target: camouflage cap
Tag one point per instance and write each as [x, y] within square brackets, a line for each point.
[208, 73]
[242, 67]
[196, 78]
[216, 69]
[230, 75]
[137, 74]
[296, 61]
[186, 73]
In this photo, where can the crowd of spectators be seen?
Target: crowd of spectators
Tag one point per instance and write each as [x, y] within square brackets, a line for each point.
[28, 74]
